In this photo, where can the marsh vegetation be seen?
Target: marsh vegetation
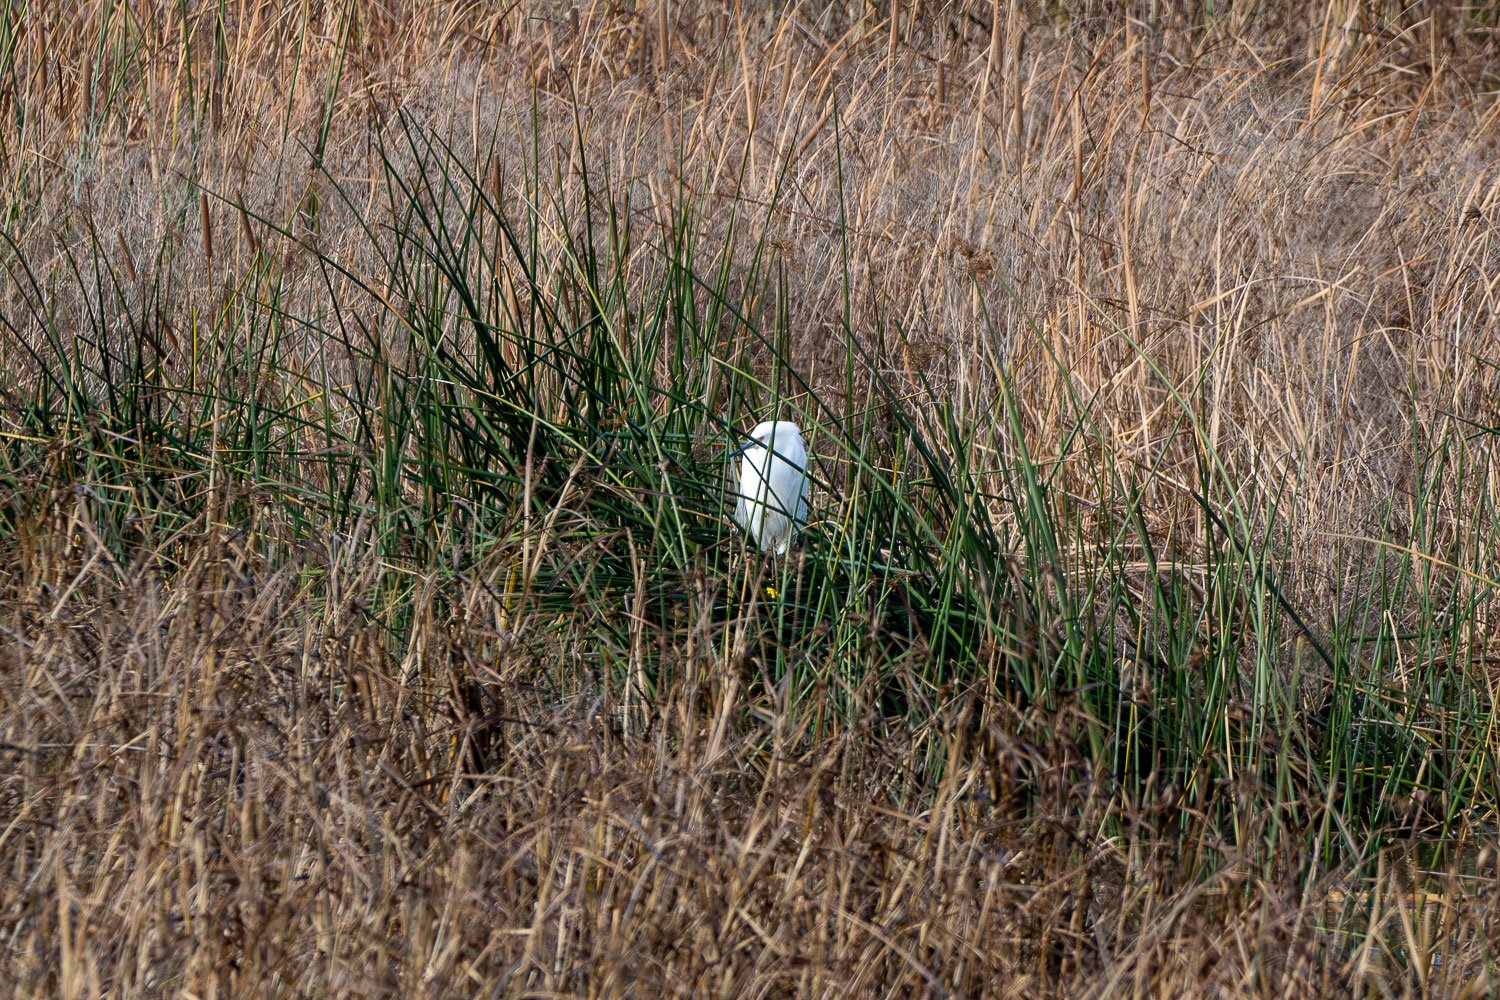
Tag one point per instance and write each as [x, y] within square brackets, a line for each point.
[373, 621]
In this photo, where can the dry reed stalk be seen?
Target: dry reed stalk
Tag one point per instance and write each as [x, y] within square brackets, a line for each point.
[206, 224]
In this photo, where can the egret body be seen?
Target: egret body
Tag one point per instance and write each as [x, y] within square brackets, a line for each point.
[774, 489]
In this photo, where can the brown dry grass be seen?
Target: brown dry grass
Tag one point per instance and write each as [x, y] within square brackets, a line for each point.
[220, 781]
[211, 792]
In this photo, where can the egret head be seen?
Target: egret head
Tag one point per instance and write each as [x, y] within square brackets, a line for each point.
[767, 431]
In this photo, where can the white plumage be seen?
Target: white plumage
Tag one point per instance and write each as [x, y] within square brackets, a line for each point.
[774, 489]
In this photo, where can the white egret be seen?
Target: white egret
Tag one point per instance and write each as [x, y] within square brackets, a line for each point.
[774, 489]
